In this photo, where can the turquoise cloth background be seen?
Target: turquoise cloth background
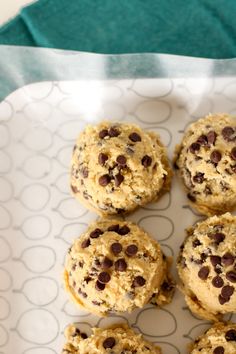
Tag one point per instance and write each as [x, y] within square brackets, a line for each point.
[205, 28]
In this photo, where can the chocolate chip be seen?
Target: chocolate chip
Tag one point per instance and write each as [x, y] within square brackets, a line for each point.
[231, 276]
[227, 291]
[76, 333]
[82, 293]
[233, 154]
[222, 300]
[228, 133]
[84, 172]
[203, 273]
[217, 282]
[146, 161]
[218, 237]
[211, 137]
[106, 263]
[230, 335]
[215, 260]
[102, 158]
[96, 233]
[99, 286]
[191, 197]
[215, 156]
[83, 335]
[196, 243]
[116, 248]
[199, 177]
[124, 230]
[85, 243]
[219, 350]
[103, 133]
[202, 140]
[121, 265]
[74, 189]
[227, 259]
[134, 137]
[208, 190]
[121, 160]
[114, 228]
[113, 132]
[131, 250]
[87, 279]
[194, 147]
[118, 179]
[104, 277]
[139, 281]
[109, 343]
[104, 180]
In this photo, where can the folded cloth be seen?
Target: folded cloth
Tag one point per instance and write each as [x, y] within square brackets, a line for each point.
[202, 28]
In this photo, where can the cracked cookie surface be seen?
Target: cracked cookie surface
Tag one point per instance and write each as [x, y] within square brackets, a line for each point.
[207, 267]
[116, 340]
[206, 160]
[117, 167]
[116, 267]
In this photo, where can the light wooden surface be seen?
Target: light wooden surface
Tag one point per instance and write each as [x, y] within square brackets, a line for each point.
[10, 8]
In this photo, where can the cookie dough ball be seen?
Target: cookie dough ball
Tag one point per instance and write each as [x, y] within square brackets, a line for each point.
[207, 267]
[118, 167]
[220, 339]
[115, 340]
[206, 160]
[115, 267]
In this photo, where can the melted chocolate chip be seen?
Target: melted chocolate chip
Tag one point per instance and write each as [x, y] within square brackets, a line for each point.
[211, 137]
[230, 335]
[84, 172]
[106, 263]
[116, 248]
[118, 179]
[103, 133]
[202, 140]
[96, 233]
[99, 286]
[121, 265]
[215, 260]
[194, 147]
[196, 243]
[82, 293]
[113, 132]
[218, 237]
[102, 158]
[228, 134]
[121, 160]
[203, 273]
[217, 282]
[131, 250]
[83, 335]
[124, 230]
[114, 228]
[146, 161]
[219, 350]
[199, 177]
[231, 276]
[138, 281]
[74, 189]
[109, 343]
[233, 154]
[104, 180]
[191, 197]
[215, 156]
[85, 243]
[134, 137]
[104, 277]
[227, 259]
[227, 291]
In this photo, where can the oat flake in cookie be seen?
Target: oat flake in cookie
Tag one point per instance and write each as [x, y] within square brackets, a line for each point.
[116, 267]
[219, 339]
[207, 267]
[116, 340]
[206, 161]
[118, 167]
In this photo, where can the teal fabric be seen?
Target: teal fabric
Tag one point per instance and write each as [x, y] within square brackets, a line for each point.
[202, 28]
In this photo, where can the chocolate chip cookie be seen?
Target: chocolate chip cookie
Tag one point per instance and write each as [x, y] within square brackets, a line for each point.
[115, 267]
[117, 167]
[116, 340]
[207, 267]
[219, 339]
[206, 160]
